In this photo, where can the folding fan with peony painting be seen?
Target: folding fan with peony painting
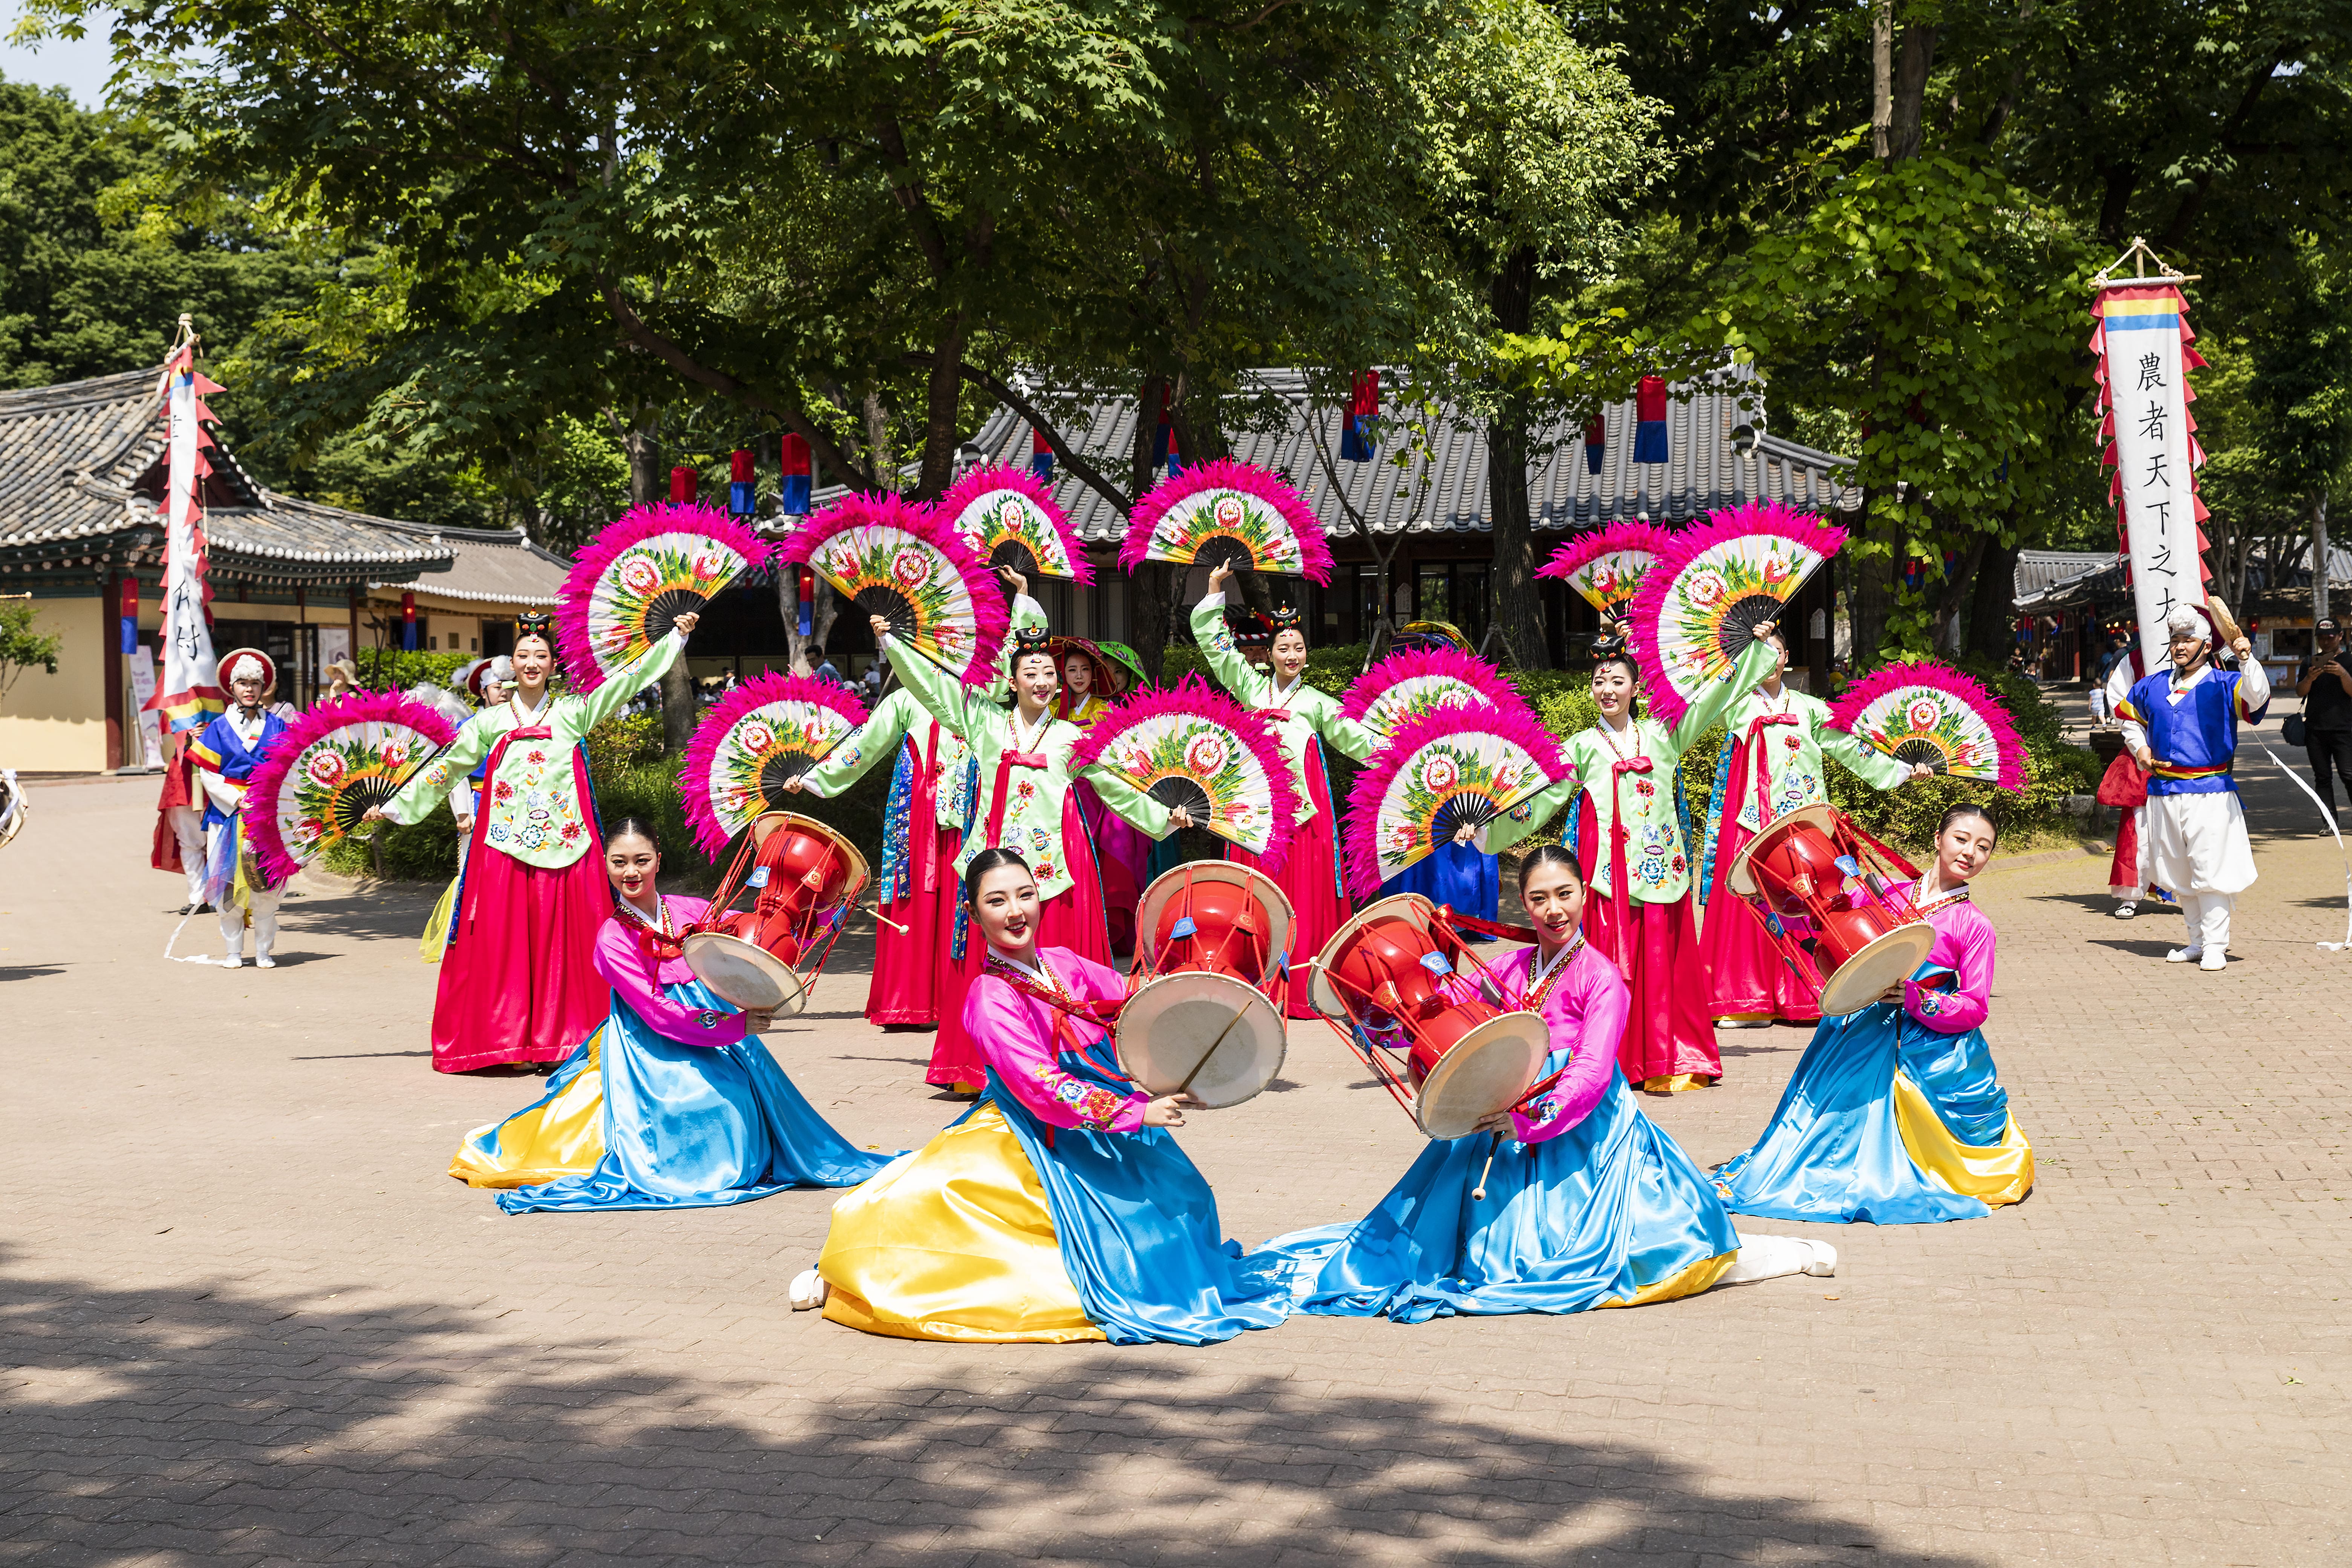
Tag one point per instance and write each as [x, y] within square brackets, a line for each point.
[329, 767]
[653, 565]
[1009, 519]
[903, 561]
[1404, 686]
[1712, 587]
[1446, 770]
[1224, 511]
[1606, 566]
[758, 735]
[1929, 712]
[1197, 748]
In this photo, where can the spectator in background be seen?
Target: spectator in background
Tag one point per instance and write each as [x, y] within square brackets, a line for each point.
[2325, 684]
[2101, 701]
[341, 680]
[825, 670]
[873, 683]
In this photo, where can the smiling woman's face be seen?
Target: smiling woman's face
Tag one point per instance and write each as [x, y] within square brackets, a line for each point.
[1005, 906]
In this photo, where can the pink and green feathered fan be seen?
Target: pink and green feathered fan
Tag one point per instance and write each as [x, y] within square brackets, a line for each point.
[1404, 686]
[893, 558]
[330, 766]
[635, 579]
[1009, 519]
[1712, 587]
[1224, 512]
[1196, 748]
[1446, 770]
[1931, 713]
[766, 732]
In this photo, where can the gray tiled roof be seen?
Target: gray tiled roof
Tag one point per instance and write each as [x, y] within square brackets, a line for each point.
[1703, 472]
[498, 566]
[2039, 569]
[84, 459]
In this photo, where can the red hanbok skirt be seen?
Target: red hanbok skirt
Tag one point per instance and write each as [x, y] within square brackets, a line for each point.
[1668, 1034]
[1071, 919]
[910, 963]
[1309, 878]
[517, 983]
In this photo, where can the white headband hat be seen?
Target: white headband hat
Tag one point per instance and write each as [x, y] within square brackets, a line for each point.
[2185, 619]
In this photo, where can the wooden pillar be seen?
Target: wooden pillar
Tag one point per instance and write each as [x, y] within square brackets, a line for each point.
[110, 633]
[302, 698]
[354, 655]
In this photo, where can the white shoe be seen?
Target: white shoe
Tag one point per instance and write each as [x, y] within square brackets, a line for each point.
[2215, 958]
[2184, 956]
[1824, 1263]
[263, 961]
[2127, 910]
[234, 961]
[809, 1290]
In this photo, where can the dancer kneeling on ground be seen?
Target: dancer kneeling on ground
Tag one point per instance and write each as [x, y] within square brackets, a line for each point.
[1895, 1114]
[1059, 1208]
[673, 1102]
[1587, 1201]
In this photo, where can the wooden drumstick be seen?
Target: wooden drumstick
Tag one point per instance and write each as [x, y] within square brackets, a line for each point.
[1211, 1050]
[1495, 1142]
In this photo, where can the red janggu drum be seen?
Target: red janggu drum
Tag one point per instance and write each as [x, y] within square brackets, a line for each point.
[1206, 1013]
[1412, 1000]
[1821, 890]
[803, 877]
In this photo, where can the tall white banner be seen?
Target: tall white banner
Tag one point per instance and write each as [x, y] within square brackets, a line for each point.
[2144, 360]
[189, 692]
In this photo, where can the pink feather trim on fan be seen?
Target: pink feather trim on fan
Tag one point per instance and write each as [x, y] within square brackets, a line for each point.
[1193, 697]
[1805, 527]
[702, 750]
[990, 617]
[1226, 474]
[571, 633]
[1359, 848]
[1587, 548]
[1427, 663]
[1005, 476]
[269, 848]
[2008, 746]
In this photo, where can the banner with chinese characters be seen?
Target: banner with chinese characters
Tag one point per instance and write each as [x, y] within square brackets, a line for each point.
[2144, 356]
[189, 694]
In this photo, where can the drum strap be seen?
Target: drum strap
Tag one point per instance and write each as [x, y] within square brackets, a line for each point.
[1758, 748]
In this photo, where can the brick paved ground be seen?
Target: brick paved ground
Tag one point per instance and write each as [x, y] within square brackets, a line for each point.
[248, 1319]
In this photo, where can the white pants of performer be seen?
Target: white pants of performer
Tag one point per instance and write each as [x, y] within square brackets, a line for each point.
[1771, 1256]
[2198, 851]
[232, 914]
[188, 828]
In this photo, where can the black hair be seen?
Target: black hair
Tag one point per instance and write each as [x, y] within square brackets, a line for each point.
[631, 827]
[1550, 854]
[1967, 808]
[984, 862]
[1632, 671]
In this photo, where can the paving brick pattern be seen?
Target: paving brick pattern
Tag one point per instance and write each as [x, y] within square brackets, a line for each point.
[248, 1319]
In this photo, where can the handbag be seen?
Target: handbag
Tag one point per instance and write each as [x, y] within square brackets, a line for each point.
[2292, 730]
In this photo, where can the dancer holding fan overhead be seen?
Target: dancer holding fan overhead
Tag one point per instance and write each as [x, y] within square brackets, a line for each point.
[1025, 803]
[1306, 719]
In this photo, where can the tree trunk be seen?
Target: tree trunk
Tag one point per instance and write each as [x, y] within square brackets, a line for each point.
[881, 450]
[647, 485]
[1909, 98]
[1149, 587]
[1994, 602]
[1955, 604]
[1516, 609]
[1873, 601]
[942, 421]
[2318, 557]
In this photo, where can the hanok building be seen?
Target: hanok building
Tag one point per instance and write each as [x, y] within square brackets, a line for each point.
[1427, 499]
[81, 531]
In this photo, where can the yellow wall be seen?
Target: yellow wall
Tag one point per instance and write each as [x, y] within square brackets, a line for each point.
[57, 723]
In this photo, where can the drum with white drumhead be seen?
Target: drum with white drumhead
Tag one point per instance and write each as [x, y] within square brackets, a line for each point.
[1206, 1019]
[767, 958]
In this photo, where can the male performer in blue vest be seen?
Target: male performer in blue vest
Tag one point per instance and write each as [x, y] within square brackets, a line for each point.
[2181, 724]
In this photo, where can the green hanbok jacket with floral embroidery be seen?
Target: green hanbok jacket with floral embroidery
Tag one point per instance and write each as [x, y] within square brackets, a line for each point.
[1304, 713]
[536, 813]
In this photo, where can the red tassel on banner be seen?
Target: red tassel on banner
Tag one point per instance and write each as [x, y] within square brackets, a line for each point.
[683, 483]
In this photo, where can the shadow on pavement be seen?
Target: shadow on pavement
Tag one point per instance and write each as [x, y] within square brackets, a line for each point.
[195, 1425]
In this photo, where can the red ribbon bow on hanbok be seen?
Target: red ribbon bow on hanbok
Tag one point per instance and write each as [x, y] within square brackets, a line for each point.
[1763, 755]
[472, 901]
[1619, 833]
[1005, 763]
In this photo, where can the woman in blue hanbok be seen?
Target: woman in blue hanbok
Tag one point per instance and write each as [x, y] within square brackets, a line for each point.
[673, 1102]
[1057, 1208]
[1587, 1201]
[1895, 1114]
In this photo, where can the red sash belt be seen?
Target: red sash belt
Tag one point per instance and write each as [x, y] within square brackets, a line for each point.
[1762, 754]
[1619, 833]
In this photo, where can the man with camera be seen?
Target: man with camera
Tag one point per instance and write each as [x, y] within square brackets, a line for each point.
[2325, 684]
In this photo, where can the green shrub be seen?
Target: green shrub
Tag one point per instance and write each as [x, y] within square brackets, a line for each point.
[394, 669]
[626, 740]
